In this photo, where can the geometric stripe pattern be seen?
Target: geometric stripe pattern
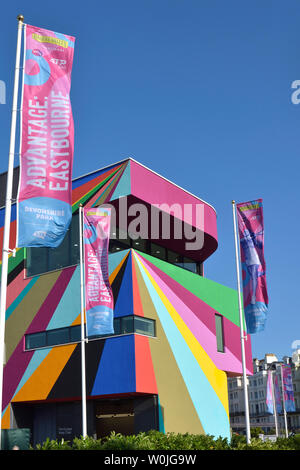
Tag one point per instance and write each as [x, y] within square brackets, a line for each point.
[180, 365]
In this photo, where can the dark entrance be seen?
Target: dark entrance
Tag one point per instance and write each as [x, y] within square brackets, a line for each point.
[114, 415]
[126, 415]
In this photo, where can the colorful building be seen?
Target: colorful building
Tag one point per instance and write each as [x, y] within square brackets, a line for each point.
[177, 334]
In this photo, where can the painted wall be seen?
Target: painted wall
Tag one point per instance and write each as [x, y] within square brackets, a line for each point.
[154, 189]
[181, 365]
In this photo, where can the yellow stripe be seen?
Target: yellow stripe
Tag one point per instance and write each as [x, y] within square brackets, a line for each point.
[216, 377]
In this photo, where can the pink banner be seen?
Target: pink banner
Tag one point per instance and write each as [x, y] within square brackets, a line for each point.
[251, 234]
[99, 301]
[47, 139]
[288, 390]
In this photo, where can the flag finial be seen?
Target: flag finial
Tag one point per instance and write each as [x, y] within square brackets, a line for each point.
[20, 18]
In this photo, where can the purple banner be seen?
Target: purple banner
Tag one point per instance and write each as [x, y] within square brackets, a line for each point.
[251, 234]
[288, 391]
[277, 395]
[273, 393]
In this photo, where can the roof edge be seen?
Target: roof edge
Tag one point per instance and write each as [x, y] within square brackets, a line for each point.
[152, 171]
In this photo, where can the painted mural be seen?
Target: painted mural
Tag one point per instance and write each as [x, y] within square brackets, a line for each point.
[180, 364]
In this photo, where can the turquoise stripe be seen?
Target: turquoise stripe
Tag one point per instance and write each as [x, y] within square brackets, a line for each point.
[20, 297]
[36, 360]
[161, 424]
[124, 186]
[69, 307]
[114, 259]
[210, 410]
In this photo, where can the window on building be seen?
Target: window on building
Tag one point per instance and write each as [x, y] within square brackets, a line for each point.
[144, 326]
[219, 333]
[190, 264]
[140, 245]
[42, 260]
[175, 258]
[72, 334]
[158, 251]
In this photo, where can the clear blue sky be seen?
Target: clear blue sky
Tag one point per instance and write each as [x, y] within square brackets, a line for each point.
[199, 91]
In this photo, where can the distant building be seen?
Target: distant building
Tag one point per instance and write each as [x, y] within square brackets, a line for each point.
[257, 386]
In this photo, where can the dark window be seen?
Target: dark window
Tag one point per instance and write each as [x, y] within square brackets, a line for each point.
[140, 245]
[75, 333]
[158, 251]
[219, 333]
[115, 246]
[43, 339]
[60, 336]
[117, 326]
[190, 264]
[175, 258]
[42, 260]
[126, 325]
[144, 326]
[72, 334]
[35, 340]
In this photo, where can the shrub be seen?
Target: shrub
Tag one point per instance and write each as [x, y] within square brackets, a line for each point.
[255, 432]
[54, 445]
[155, 440]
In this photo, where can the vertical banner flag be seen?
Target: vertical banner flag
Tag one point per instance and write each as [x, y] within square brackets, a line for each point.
[44, 201]
[99, 301]
[269, 394]
[273, 385]
[277, 395]
[288, 391]
[251, 234]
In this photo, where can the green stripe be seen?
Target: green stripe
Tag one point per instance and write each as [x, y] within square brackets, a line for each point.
[93, 191]
[14, 261]
[221, 298]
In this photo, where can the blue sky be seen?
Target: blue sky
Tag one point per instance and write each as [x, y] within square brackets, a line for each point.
[199, 91]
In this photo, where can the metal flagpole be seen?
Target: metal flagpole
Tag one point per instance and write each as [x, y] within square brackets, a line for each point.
[283, 402]
[274, 404]
[247, 419]
[83, 340]
[7, 219]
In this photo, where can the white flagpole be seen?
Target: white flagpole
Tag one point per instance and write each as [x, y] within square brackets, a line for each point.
[8, 203]
[274, 404]
[283, 403]
[83, 368]
[247, 419]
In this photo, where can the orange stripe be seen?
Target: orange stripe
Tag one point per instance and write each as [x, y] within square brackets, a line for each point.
[41, 382]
